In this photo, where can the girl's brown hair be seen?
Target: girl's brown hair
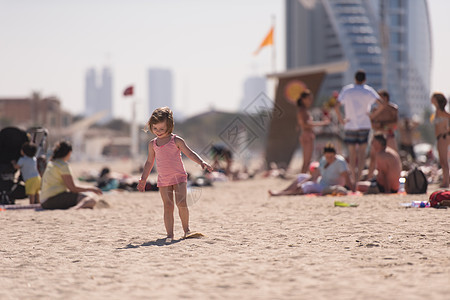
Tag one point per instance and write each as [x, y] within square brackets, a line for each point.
[440, 99]
[162, 114]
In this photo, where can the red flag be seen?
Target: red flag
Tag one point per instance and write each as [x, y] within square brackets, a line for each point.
[128, 91]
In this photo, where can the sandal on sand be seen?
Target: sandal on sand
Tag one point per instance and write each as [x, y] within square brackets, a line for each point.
[192, 235]
[168, 240]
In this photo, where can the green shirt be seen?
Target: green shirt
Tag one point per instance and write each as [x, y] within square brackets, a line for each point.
[52, 181]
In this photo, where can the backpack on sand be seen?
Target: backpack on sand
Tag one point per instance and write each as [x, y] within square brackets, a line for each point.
[440, 198]
[416, 182]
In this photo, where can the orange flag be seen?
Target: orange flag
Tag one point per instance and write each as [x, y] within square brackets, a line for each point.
[268, 40]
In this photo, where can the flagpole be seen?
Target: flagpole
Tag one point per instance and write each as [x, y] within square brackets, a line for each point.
[134, 136]
[134, 143]
[273, 46]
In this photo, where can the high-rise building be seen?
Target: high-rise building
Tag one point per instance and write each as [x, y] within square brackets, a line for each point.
[253, 87]
[98, 93]
[389, 39]
[160, 85]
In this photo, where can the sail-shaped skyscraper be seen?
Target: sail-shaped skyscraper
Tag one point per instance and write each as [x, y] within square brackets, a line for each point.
[389, 39]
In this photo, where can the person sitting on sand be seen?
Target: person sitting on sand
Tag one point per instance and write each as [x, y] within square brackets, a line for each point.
[389, 166]
[58, 188]
[330, 178]
[105, 181]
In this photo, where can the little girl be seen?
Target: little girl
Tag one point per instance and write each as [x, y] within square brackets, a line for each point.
[441, 128]
[172, 177]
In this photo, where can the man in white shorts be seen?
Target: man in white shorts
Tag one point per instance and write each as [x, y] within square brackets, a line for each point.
[357, 99]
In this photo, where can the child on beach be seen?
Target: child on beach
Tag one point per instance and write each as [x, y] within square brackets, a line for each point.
[166, 148]
[28, 167]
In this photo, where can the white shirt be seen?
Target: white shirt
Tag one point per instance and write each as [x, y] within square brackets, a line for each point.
[357, 100]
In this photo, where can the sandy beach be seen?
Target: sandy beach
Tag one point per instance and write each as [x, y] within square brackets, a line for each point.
[255, 247]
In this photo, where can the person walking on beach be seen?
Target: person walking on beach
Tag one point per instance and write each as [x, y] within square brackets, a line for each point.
[30, 174]
[59, 190]
[166, 148]
[304, 119]
[357, 99]
[441, 130]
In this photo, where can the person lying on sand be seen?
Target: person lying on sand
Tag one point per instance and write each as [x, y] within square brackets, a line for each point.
[329, 178]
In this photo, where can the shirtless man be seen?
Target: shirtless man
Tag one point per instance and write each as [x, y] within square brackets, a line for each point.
[388, 165]
[384, 121]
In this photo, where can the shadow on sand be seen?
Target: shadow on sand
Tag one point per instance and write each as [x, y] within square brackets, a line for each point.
[158, 242]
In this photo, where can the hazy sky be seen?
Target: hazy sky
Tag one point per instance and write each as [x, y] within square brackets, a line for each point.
[48, 45]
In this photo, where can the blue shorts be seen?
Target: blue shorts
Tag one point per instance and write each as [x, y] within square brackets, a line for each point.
[356, 136]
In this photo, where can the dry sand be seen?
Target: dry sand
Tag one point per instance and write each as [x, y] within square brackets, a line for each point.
[296, 247]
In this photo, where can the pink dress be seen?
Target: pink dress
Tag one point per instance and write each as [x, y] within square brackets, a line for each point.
[168, 161]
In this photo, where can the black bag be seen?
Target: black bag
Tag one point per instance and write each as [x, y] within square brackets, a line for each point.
[416, 182]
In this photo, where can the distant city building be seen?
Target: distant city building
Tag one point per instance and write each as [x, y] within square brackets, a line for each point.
[253, 88]
[98, 93]
[389, 39]
[160, 89]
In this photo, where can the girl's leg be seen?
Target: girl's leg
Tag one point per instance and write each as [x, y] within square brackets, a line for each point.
[36, 198]
[181, 201]
[166, 193]
[32, 199]
[443, 160]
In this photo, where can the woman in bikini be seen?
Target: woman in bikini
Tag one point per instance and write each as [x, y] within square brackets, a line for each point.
[441, 129]
[304, 119]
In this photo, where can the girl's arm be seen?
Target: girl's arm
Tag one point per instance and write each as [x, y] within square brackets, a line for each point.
[191, 154]
[148, 166]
